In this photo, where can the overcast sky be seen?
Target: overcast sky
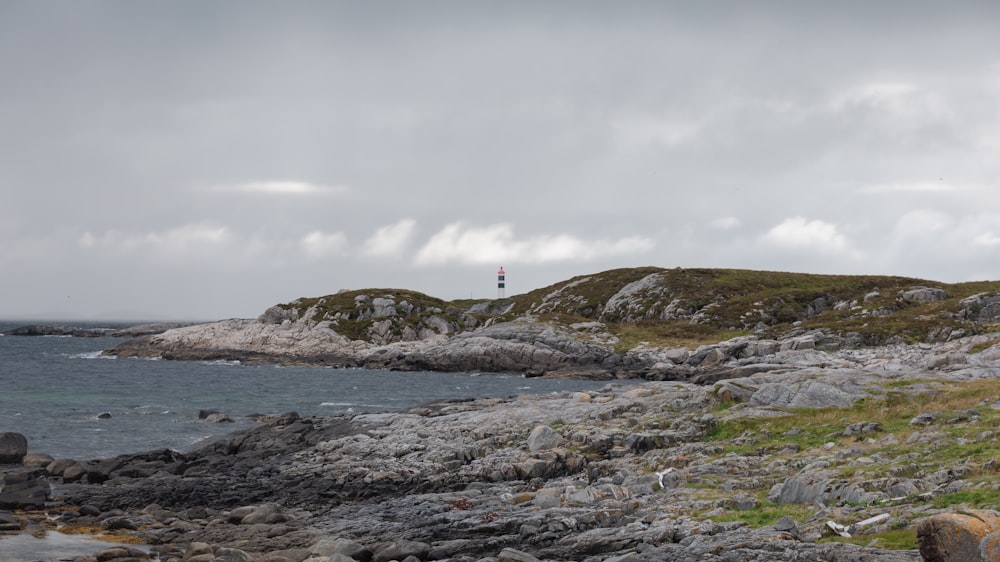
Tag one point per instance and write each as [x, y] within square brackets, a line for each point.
[207, 159]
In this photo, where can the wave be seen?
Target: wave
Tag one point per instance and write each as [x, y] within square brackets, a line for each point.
[222, 362]
[92, 355]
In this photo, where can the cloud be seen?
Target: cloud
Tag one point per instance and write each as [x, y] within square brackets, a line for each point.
[185, 240]
[797, 232]
[320, 244]
[282, 188]
[496, 243]
[390, 240]
[725, 223]
[987, 239]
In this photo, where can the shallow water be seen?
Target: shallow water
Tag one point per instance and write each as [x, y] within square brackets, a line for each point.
[54, 546]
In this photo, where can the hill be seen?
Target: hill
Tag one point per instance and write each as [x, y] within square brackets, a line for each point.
[684, 307]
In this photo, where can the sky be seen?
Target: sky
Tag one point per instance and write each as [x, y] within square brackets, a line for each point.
[208, 159]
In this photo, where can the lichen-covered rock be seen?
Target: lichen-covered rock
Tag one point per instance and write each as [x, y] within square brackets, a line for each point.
[956, 537]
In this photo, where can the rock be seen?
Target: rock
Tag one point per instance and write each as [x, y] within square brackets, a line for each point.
[121, 553]
[544, 438]
[198, 549]
[269, 513]
[218, 418]
[989, 547]
[924, 294]
[232, 555]
[104, 416]
[36, 460]
[400, 549]
[8, 522]
[25, 489]
[786, 523]
[343, 547]
[511, 555]
[956, 537]
[13, 447]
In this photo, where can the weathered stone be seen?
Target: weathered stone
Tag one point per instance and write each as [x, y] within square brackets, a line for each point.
[25, 489]
[956, 537]
[343, 547]
[924, 294]
[512, 555]
[13, 447]
[400, 549]
[543, 438]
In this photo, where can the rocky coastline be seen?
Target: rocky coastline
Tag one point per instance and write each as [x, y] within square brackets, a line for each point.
[774, 465]
[780, 417]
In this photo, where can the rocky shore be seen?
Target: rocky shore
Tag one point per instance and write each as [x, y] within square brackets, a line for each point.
[812, 455]
[781, 417]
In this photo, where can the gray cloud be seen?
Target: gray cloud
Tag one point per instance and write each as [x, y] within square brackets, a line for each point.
[224, 156]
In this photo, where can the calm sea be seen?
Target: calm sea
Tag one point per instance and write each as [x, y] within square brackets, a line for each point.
[52, 389]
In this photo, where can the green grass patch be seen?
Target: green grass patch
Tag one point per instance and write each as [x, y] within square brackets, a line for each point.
[767, 514]
[974, 499]
[894, 539]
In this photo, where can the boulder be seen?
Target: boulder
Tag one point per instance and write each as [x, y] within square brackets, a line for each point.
[543, 438]
[36, 460]
[956, 537]
[924, 294]
[344, 547]
[13, 447]
[25, 489]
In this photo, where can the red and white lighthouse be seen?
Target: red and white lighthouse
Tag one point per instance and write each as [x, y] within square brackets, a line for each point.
[500, 283]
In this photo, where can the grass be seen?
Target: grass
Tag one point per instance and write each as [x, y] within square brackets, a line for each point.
[767, 514]
[732, 301]
[894, 411]
[893, 539]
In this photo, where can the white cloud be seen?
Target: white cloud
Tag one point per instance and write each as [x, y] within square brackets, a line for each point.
[987, 239]
[390, 240]
[320, 244]
[282, 188]
[185, 239]
[496, 244]
[725, 223]
[797, 232]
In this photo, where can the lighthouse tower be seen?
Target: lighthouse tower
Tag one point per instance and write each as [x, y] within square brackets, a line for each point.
[500, 283]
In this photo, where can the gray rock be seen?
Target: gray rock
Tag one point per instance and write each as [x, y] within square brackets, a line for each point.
[25, 489]
[924, 294]
[13, 447]
[400, 549]
[343, 547]
[512, 555]
[544, 438]
[8, 522]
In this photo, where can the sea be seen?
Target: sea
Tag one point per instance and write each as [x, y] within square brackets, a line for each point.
[72, 401]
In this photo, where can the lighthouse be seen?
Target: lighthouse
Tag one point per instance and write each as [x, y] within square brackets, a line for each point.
[500, 283]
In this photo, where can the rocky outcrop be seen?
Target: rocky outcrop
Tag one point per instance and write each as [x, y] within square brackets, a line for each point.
[651, 471]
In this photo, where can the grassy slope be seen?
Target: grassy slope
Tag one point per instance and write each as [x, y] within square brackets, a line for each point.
[730, 302]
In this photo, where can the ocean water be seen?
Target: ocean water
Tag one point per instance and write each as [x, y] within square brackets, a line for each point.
[52, 389]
